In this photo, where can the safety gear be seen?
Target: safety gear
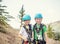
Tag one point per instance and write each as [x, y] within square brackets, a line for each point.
[39, 34]
[29, 32]
[26, 17]
[37, 31]
[38, 16]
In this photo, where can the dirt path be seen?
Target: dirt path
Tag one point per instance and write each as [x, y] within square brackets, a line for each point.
[51, 41]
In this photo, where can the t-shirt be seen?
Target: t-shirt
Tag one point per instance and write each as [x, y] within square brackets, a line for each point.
[23, 32]
[39, 35]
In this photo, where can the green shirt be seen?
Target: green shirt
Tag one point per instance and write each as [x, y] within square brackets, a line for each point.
[40, 32]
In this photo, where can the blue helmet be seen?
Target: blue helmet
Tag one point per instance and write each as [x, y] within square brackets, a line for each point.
[38, 16]
[26, 17]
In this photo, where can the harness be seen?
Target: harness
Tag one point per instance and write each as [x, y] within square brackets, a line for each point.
[38, 30]
[29, 32]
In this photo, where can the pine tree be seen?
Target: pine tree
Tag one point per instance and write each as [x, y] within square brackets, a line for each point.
[3, 14]
[21, 15]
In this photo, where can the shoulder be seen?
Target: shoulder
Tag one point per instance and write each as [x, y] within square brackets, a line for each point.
[30, 24]
[43, 25]
[22, 28]
[34, 25]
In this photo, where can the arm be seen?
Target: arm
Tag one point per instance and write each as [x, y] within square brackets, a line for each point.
[20, 35]
[45, 33]
[46, 37]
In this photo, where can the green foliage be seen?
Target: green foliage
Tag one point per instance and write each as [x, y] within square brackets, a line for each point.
[21, 14]
[53, 35]
[49, 32]
[2, 20]
[8, 16]
[22, 11]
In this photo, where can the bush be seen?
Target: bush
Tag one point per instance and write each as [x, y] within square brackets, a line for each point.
[49, 32]
[53, 35]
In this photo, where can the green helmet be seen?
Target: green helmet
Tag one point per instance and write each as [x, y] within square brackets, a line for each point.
[38, 16]
[26, 17]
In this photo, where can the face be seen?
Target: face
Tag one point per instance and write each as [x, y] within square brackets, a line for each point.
[27, 22]
[38, 20]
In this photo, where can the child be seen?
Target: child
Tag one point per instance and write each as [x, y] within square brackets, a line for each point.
[26, 30]
[39, 30]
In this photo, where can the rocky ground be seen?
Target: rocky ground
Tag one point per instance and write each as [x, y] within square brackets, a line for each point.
[9, 35]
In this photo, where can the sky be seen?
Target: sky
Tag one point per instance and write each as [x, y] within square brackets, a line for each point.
[50, 9]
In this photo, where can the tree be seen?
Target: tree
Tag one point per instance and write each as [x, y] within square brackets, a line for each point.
[21, 15]
[4, 18]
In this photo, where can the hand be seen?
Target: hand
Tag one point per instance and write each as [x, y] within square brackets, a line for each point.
[25, 39]
[32, 39]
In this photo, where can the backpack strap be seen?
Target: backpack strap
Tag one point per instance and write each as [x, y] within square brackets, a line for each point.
[29, 31]
[41, 27]
[42, 31]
